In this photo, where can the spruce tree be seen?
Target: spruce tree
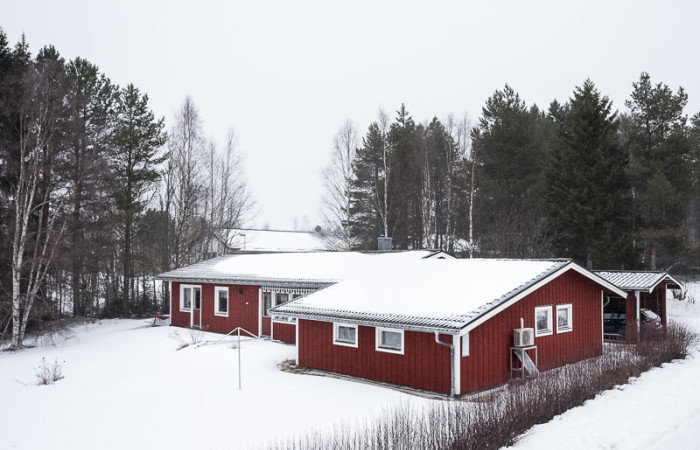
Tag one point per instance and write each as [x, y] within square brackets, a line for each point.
[368, 189]
[587, 190]
[512, 140]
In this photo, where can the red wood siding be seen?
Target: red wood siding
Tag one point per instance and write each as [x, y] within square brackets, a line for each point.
[178, 318]
[243, 308]
[424, 364]
[284, 332]
[489, 361]
[266, 329]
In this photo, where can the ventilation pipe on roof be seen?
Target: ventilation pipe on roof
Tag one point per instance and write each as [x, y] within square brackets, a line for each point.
[384, 243]
[452, 361]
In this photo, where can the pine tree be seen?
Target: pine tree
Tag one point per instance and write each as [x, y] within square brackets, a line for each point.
[661, 169]
[91, 99]
[137, 139]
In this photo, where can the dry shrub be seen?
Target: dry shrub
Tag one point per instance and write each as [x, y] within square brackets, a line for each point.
[508, 413]
[48, 374]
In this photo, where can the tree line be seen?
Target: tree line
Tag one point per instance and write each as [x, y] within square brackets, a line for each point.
[579, 180]
[95, 196]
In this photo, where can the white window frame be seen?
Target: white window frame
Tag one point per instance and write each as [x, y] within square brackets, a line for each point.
[465, 344]
[336, 326]
[377, 340]
[570, 326]
[218, 289]
[262, 302]
[191, 287]
[276, 302]
[550, 329]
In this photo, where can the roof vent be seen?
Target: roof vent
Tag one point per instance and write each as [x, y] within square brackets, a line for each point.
[384, 244]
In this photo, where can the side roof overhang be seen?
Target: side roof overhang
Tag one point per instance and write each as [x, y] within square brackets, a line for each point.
[639, 281]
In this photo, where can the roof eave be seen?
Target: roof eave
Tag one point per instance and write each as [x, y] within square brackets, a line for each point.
[366, 322]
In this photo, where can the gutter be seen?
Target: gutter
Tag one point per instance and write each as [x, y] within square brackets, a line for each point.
[452, 363]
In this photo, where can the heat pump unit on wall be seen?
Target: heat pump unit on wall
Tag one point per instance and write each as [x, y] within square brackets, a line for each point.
[523, 337]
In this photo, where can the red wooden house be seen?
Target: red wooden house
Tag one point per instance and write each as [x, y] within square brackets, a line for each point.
[448, 326]
[238, 290]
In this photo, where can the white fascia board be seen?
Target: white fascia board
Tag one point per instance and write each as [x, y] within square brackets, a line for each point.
[570, 266]
[598, 279]
[457, 357]
[664, 277]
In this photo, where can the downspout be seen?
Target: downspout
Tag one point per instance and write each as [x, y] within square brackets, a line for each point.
[452, 362]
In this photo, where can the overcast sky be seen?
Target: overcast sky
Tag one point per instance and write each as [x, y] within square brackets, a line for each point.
[286, 74]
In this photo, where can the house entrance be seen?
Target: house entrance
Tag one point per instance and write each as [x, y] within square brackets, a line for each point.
[196, 314]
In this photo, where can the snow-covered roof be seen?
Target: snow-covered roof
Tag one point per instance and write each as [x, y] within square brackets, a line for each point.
[635, 280]
[412, 289]
[442, 295]
[306, 268]
[279, 241]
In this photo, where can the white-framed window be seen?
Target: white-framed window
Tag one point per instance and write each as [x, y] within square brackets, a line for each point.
[190, 294]
[465, 344]
[281, 298]
[267, 303]
[565, 321]
[345, 334]
[389, 340]
[543, 320]
[221, 301]
[271, 299]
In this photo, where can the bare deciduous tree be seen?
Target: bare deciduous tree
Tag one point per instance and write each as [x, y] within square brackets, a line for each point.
[37, 196]
[338, 179]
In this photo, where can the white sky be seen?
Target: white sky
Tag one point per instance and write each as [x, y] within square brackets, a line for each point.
[286, 74]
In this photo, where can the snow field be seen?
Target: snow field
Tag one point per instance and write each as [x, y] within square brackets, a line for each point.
[126, 386]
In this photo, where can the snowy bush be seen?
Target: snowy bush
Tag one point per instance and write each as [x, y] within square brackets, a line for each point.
[495, 419]
[193, 336]
[48, 374]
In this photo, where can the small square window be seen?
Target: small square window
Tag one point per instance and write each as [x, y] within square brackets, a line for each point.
[221, 301]
[543, 320]
[281, 299]
[389, 340]
[345, 334]
[565, 320]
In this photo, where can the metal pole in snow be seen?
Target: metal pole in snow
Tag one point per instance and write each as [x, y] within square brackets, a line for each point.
[239, 358]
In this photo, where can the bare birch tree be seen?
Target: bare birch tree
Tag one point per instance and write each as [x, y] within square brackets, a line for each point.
[186, 146]
[338, 179]
[37, 195]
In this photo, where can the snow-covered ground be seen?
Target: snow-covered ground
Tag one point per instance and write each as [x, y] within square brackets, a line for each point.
[658, 410]
[126, 386]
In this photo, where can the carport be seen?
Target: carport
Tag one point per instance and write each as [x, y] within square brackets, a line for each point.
[645, 290]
